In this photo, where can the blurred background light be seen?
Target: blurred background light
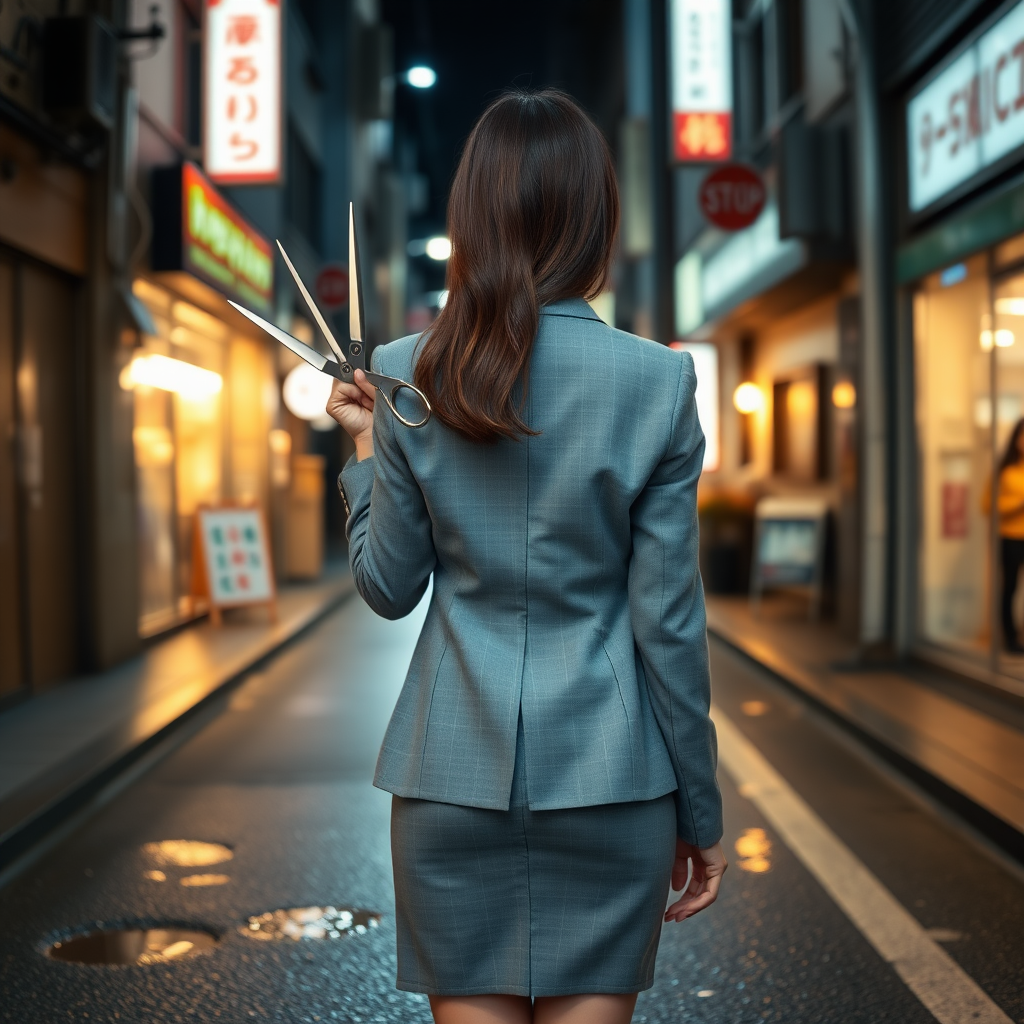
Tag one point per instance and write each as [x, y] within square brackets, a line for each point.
[305, 395]
[421, 77]
[175, 375]
[748, 398]
[439, 248]
[844, 395]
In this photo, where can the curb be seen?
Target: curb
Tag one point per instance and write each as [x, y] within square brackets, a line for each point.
[17, 842]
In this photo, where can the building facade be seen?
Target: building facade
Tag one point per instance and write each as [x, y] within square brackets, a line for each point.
[131, 391]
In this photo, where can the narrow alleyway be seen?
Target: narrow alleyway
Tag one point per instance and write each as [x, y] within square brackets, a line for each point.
[281, 779]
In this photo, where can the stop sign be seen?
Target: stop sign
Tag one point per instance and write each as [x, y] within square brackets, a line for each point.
[332, 286]
[732, 197]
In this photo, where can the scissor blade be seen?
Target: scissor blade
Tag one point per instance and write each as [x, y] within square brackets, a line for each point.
[317, 315]
[355, 282]
[300, 348]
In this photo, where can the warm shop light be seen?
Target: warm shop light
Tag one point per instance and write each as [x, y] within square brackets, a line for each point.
[421, 77]
[1010, 307]
[844, 395]
[439, 248]
[157, 371]
[306, 392]
[748, 398]
[1001, 338]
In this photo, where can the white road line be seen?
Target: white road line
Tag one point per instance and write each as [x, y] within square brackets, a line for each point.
[951, 995]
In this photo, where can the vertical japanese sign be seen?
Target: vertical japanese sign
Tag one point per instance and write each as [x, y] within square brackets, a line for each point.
[701, 69]
[242, 91]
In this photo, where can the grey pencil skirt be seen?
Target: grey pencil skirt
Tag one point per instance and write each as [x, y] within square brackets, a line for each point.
[530, 903]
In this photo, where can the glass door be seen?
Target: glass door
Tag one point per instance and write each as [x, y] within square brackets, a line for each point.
[955, 346]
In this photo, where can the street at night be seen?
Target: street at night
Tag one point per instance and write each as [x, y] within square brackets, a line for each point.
[281, 777]
[512, 513]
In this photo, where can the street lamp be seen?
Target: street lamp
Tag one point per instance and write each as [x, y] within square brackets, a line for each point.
[421, 77]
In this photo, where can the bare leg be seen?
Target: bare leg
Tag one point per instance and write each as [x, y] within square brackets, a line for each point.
[602, 1009]
[482, 1009]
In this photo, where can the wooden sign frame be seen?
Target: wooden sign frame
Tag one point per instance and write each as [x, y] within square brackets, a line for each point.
[201, 587]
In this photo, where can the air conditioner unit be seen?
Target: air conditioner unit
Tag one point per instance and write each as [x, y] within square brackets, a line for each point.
[80, 70]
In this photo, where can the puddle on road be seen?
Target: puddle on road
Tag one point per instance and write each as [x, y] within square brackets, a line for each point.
[755, 708]
[186, 853]
[754, 849]
[310, 923]
[139, 946]
[197, 881]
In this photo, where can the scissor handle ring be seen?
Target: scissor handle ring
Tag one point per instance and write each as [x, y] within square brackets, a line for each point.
[389, 398]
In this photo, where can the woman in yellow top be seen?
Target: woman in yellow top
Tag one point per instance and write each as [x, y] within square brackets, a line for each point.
[1011, 529]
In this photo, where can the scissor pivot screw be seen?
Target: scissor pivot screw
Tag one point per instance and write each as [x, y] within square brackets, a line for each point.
[346, 368]
[355, 348]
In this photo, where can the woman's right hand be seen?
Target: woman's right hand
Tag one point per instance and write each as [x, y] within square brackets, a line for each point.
[708, 867]
[351, 405]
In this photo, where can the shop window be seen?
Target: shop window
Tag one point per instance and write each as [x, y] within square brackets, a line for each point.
[954, 340]
[798, 426]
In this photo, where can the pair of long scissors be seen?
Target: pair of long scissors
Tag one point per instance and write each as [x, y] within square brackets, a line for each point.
[344, 369]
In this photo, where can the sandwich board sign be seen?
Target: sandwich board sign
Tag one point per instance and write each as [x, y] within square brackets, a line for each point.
[231, 563]
[789, 547]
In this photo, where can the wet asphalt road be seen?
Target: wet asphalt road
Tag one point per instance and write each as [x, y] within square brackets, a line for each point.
[282, 777]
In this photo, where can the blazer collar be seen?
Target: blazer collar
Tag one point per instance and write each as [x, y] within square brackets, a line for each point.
[575, 308]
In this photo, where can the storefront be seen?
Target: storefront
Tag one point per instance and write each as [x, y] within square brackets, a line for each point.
[961, 272]
[771, 308]
[44, 240]
[205, 385]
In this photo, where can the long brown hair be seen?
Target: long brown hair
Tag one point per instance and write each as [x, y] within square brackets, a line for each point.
[532, 218]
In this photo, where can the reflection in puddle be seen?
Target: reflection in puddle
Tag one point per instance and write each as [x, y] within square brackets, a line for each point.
[310, 923]
[154, 876]
[755, 708]
[186, 853]
[195, 881]
[132, 946]
[755, 850]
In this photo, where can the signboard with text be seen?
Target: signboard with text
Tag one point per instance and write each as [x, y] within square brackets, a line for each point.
[197, 230]
[231, 559]
[970, 115]
[242, 91]
[701, 70]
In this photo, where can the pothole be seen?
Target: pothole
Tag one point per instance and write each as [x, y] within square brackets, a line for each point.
[310, 923]
[186, 853]
[127, 945]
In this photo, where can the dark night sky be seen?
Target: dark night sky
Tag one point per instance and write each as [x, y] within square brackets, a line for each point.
[480, 48]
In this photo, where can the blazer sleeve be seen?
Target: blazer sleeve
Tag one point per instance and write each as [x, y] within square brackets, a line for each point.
[390, 540]
[666, 601]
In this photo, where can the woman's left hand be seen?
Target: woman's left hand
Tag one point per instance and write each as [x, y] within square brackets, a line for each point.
[352, 406]
[708, 867]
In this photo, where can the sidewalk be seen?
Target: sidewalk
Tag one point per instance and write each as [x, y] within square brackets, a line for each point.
[963, 735]
[62, 745]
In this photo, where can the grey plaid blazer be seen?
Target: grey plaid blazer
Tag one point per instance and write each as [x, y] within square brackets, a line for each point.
[565, 584]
